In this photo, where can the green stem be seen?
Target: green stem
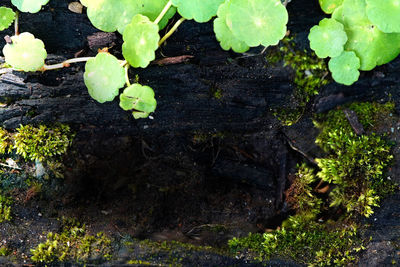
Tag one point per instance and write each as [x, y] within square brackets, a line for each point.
[163, 12]
[128, 83]
[65, 63]
[166, 36]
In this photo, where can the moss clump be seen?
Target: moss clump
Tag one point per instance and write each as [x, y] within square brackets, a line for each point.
[348, 184]
[5, 209]
[309, 75]
[5, 143]
[300, 196]
[355, 163]
[4, 251]
[169, 253]
[42, 142]
[305, 241]
[73, 244]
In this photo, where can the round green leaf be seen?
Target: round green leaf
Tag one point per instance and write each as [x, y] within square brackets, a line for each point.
[138, 98]
[108, 15]
[199, 10]
[257, 21]
[328, 38]
[372, 46]
[112, 15]
[25, 52]
[385, 14]
[140, 41]
[328, 6]
[345, 67]
[224, 34]
[103, 77]
[152, 8]
[31, 6]
[7, 16]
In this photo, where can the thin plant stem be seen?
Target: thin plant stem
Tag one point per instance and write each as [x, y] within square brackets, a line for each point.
[128, 83]
[173, 29]
[65, 63]
[123, 63]
[163, 12]
[16, 29]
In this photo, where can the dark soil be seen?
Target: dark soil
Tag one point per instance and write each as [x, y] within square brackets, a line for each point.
[205, 169]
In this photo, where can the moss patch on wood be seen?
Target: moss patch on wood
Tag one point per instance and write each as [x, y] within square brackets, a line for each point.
[330, 200]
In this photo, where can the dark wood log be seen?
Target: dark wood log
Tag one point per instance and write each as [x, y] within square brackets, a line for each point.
[113, 147]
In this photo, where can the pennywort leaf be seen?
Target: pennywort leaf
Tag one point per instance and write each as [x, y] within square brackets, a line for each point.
[25, 52]
[31, 6]
[370, 44]
[385, 14]
[328, 38]
[257, 21]
[138, 98]
[103, 77]
[112, 15]
[345, 67]
[328, 6]
[7, 16]
[224, 34]
[199, 10]
[152, 8]
[140, 41]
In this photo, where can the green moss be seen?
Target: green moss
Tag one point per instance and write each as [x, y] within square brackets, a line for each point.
[37, 143]
[4, 251]
[368, 114]
[5, 208]
[170, 253]
[73, 244]
[5, 141]
[217, 93]
[309, 75]
[305, 241]
[300, 196]
[348, 184]
[355, 163]
[141, 263]
[43, 142]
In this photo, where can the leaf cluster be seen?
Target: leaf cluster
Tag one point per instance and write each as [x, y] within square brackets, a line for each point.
[360, 35]
[240, 24]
